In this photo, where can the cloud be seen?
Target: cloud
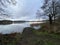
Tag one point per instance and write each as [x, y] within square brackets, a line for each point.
[30, 9]
[24, 9]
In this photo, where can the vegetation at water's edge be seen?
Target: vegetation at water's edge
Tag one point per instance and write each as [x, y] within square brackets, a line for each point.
[30, 36]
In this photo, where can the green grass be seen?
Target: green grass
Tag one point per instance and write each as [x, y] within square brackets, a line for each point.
[36, 38]
[39, 33]
[48, 38]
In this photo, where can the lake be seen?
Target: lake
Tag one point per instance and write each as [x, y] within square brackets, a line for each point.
[15, 27]
[11, 28]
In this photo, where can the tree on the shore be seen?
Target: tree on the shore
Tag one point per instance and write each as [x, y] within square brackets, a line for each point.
[51, 8]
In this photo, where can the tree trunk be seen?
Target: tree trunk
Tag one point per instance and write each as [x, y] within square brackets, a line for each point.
[50, 19]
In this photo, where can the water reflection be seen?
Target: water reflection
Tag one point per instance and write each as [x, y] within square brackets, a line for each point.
[13, 27]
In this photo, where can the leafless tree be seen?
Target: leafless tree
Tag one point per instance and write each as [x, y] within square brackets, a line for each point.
[3, 6]
[51, 9]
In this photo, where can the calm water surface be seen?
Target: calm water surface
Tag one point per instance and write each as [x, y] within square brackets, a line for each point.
[13, 28]
[17, 27]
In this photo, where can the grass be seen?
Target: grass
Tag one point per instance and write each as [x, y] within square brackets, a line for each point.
[37, 38]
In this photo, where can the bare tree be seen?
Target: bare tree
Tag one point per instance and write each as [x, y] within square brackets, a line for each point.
[3, 5]
[51, 8]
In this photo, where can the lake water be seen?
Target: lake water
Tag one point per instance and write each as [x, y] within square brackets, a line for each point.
[11, 28]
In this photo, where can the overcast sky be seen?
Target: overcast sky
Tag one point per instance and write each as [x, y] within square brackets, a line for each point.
[24, 9]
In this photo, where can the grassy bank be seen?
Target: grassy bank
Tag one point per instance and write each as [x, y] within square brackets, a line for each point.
[35, 37]
[46, 35]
